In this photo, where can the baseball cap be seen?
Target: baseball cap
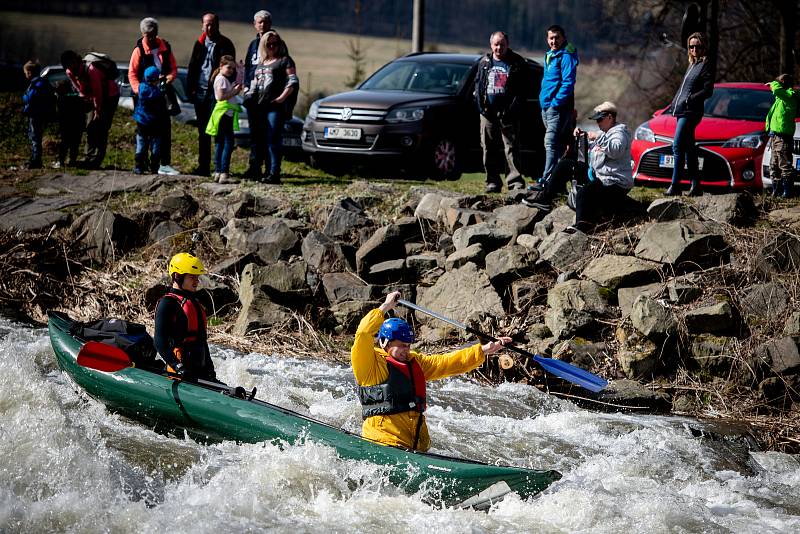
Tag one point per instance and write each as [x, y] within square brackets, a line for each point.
[601, 110]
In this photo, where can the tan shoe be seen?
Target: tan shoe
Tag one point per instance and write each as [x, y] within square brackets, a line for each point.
[225, 178]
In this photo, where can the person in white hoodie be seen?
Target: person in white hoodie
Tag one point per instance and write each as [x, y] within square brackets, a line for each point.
[607, 178]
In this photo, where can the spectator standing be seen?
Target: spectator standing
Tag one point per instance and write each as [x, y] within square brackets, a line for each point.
[101, 93]
[206, 55]
[150, 115]
[780, 126]
[38, 104]
[501, 88]
[687, 108]
[274, 83]
[71, 123]
[224, 118]
[262, 22]
[608, 177]
[153, 51]
[557, 95]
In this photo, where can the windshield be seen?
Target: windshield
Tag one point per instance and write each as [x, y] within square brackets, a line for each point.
[741, 104]
[426, 77]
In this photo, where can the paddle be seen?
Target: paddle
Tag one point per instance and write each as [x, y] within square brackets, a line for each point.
[110, 359]
[559, 368]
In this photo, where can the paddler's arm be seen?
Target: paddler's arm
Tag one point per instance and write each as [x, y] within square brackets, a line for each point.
[436, 366]
[369, 367]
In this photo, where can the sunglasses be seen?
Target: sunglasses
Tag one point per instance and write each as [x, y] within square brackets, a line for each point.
[692, 47]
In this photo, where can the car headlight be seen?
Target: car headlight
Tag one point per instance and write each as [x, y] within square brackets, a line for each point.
[644, 133]
[312, 111]
[752, 140]
[405, 115]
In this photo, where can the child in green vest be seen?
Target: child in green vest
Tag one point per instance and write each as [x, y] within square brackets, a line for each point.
[224, 118]
[780, 126]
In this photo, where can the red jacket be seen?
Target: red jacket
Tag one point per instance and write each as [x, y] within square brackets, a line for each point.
[93, 86]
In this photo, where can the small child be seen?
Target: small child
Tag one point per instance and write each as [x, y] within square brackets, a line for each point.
[224, 118]
[780, 126]
[150, 114]
[71, 123]
[39, 106]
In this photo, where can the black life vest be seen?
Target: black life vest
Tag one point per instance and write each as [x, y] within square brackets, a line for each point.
[403, 391]
[195, 320]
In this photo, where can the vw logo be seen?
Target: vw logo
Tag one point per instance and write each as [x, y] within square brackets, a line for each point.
[346, 114]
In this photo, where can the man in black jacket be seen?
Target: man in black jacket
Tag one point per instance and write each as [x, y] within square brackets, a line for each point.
[206, 53]
[501, 87]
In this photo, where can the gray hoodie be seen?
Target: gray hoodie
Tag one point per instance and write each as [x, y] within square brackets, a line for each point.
[612, 162]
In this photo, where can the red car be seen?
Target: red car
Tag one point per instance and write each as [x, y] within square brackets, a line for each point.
[730, 138]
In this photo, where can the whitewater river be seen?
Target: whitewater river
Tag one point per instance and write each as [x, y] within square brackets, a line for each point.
[68, 465]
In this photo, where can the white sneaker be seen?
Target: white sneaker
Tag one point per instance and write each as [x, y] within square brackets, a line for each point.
[56, 165]
[166, 169]
[225, 178]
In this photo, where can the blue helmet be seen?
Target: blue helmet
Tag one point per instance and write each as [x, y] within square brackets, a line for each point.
[395, 328]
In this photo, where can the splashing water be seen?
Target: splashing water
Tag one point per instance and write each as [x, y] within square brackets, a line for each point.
[67, 464]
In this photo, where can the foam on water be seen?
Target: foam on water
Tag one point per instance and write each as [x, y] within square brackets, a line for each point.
[67, 464]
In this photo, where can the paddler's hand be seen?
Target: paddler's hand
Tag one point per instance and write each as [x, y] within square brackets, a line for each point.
[494, 346]
[390, 302]
[179, 370]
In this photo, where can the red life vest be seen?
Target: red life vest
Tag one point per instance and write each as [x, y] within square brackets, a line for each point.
[403, 391]
[194, 315]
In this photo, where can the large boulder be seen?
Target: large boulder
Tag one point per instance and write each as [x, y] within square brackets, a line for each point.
[269, 237]
[563, 251]
[491, 235]
[179, 205]
[719, 319]
[652, 319]
[471, 254]
[780, 254]
[684, 245]
[510, 263]
[764, 302]
[521, 217]
[782, 355]
[345, 219]
[459, 294]
[387, 272]
[163, 234]
[246, 205]
[258, 314]
[638, 356]
[572, 306]
[670, 209]
[26, 214]
[282, 282]
[340, 287]
[555, 221]
[627, 295]
[420, 264]
[734, 208]
[106, 235]
[612, 271]
[323, 253]
[714, 354]
[386, 243]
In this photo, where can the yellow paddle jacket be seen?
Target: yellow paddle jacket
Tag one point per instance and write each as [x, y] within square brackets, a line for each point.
[370, 368]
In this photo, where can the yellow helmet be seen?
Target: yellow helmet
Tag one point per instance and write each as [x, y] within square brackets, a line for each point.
[185, 263]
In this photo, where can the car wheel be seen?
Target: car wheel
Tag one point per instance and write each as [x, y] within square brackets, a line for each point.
[444, 160]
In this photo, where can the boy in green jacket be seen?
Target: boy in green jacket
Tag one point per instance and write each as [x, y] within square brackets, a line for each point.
[780, 126]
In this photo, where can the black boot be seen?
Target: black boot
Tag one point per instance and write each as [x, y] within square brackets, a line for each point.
[777, 187]
[695, 190]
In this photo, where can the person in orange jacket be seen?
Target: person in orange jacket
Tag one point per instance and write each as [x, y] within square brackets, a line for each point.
[391, 378]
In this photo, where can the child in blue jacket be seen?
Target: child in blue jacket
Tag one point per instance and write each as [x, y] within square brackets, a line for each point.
[150, 115]
[38, 104]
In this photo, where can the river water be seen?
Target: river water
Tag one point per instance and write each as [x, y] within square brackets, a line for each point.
[68, 465]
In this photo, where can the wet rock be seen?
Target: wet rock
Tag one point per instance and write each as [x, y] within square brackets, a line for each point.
[564, 251]
[387, 272]
[572, 305]
[624, 395]
[386, 243]
[345, 286]
[489, 235]
[683, 245]
[519, 216]
[717, 319]
[652, 319]
[510, 263]
[782, 355]
[670, 209]
[163, 235]
[323, 253]
[555, 221]
[471, 254]
[26, 214]
[613, 271]
[269, 237]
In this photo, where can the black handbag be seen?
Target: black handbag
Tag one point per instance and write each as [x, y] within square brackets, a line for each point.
[173, 106]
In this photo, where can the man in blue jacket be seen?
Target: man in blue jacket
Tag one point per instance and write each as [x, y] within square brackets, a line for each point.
[557, 96]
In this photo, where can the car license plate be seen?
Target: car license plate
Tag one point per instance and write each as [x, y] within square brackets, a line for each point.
[668, 161]
[342, 133]
[291, 141]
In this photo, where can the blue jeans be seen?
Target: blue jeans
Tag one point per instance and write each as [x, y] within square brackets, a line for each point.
[148, 139]
[224, 144]
[274, 136]
[35, 133]
[685, 151]
[555, 122]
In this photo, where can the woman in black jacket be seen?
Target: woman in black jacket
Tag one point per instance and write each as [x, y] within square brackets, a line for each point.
[687, 107]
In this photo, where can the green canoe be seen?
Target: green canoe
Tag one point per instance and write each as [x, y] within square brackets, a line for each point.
[204, 412]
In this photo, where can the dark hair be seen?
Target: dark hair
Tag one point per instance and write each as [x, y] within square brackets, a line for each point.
[69, 57]
[500, 32]
[555, 28]
[224, 60]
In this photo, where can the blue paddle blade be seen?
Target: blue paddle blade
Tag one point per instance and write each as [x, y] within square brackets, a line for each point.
[570, 373]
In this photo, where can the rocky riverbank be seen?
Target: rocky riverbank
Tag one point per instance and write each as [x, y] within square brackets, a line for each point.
[695, 298]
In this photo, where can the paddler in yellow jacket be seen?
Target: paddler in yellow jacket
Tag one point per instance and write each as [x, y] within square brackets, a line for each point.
[391, 378]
